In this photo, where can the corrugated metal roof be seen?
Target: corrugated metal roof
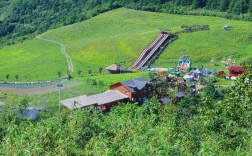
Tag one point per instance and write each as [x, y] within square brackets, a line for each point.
[180, 95]
[98, 99]
[78, 102]
[135, 84]
[108, 97]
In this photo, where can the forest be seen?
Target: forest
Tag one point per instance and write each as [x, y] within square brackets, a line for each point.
[214, 122]
[22, 19]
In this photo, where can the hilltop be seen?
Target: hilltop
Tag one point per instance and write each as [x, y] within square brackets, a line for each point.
[120, 36]
[23, 18]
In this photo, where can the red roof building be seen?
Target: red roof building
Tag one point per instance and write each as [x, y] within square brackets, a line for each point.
[235, 70]
[138, 90]
[135, 90]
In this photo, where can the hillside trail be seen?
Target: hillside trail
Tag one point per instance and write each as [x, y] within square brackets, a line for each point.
[63, 51]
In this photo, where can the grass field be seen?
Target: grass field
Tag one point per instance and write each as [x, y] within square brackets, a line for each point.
[120, 36]
[32, 60]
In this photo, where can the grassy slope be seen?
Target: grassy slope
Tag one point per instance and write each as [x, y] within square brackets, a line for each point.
[120, 35]
[32, 60]
[202, 46]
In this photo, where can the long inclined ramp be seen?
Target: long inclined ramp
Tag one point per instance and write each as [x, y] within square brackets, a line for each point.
[141, 55]
[148, 52]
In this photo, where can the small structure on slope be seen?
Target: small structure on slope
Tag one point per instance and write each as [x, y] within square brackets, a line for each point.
[227, 27]
[113, 69]
[235, 71]
[117, 69]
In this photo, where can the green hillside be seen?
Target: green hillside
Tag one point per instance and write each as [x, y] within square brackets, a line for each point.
[32, 60]
[121, 35]
[124, 33]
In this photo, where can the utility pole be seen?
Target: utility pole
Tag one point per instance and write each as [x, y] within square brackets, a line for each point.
[120, 66]
[59, 86]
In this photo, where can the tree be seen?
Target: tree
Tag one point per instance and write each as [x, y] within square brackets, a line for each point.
[23, 105]
[250, 7]
[79, 72]
[17, 77]
[223, 5]
[198, 4]
[100, 69]
[89, 72]
[59, 74]
[7, 76]
[69, 76]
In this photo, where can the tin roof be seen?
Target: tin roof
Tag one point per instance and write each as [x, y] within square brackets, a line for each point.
[78, 102]
[113, 67]
[108, 97]
[135, 84]
[236, 68]
[98, 99]
[180, 95]
[165, 100]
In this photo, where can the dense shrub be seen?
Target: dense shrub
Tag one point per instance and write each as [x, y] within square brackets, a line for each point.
[198, 125]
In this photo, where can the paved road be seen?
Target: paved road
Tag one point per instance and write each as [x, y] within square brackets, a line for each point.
[63, 51]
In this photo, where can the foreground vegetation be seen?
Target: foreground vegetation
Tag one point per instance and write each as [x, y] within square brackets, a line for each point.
[211, 123]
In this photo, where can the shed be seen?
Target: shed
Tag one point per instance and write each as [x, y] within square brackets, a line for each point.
[180, 95]
[113, 69]
[235, 70]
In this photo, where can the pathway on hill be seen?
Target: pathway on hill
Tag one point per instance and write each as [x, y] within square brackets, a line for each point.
[63, 51]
